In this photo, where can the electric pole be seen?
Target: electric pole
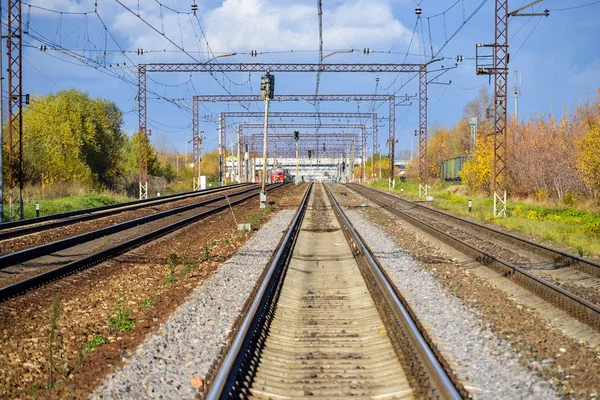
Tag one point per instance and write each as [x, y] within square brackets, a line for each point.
[352, 162]
[232, 169]
[267, 89]
[474, 123]
[239, 155]
[296, 138]
[220, 151]
[379, 150]
[497, 65]
[517, 92]
[1, 142]
[14, 44]
[199, 158]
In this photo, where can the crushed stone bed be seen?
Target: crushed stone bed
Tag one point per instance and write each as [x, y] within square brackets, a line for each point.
[488, 367]
[185, 346]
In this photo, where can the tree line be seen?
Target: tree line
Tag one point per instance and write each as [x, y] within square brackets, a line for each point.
[73, 139]
[548, 157]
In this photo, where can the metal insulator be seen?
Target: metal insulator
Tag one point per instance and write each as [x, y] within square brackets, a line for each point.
[418, 11]
[194, 6]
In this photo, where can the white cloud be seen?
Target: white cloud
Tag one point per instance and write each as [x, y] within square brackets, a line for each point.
[267, 25]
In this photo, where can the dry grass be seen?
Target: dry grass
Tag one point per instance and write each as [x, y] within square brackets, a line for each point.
[573, 227]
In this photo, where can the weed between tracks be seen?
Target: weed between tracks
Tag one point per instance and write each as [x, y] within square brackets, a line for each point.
[255, 219]
[121, 321]
[148, 302]
[96, 341]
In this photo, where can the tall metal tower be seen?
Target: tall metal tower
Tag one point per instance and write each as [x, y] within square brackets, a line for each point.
[15, 104]
[497, 65]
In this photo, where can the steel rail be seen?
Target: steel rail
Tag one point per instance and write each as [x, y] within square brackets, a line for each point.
[24, 286]
[6, 228]
[560, 257]
[574, 305]
[443, 385]
[246, 338]
[250, 337]
[45, 249]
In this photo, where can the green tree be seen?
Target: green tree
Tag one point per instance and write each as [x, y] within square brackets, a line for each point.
[70, 137]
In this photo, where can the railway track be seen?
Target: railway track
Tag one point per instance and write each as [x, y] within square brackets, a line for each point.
[327, 322]
[40, 265]
[568, 281]
[14, 229]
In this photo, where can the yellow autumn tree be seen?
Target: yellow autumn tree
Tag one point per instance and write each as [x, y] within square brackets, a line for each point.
[589, 157]
[477, 171]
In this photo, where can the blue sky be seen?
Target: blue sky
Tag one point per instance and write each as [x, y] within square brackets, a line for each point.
[557, 57]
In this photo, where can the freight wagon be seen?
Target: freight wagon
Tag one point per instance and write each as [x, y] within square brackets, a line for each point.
[452, 167]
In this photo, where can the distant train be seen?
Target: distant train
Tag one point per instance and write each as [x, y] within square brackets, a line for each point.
[451, 168]
[281, 175]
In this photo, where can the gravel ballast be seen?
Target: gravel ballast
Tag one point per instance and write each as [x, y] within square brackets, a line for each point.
[487, 366]
[171, 362]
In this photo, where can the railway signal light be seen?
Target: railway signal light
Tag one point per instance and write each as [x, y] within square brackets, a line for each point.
[267, 86]
[296, 135]
[309, 154]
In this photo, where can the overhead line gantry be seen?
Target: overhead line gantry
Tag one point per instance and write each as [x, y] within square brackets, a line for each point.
[391, 99]
[144, 69]
[278, 114]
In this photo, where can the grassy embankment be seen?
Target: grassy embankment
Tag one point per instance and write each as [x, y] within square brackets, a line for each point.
[570, 226]
[69, 203]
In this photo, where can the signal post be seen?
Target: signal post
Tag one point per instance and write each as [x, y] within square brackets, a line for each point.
[267, 89]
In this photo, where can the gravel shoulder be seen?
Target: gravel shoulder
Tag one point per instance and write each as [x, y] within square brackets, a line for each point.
[139, 287]
[173, 363]
[487, 367]
[502, 319]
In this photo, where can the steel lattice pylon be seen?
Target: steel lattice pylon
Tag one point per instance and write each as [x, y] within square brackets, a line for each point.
[142, 134]
[497, 65]
[15, 116]
[423, 125]
[196, 151]
[500, 86]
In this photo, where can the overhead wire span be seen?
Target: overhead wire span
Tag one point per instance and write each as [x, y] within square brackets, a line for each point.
[575, 7]
[57, 11]
[479, 7]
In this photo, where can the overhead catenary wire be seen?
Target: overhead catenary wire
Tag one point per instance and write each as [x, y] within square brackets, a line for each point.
[575, 7]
